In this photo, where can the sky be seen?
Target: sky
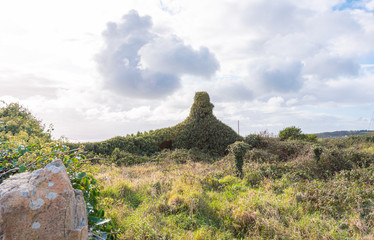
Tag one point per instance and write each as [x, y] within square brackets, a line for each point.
[99, 69]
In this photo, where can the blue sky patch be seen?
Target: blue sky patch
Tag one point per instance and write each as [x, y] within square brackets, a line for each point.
[350, 4]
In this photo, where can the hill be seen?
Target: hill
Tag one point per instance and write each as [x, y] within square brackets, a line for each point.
[337, 134]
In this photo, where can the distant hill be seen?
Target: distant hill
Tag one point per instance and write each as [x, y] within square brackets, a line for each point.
[337, 134]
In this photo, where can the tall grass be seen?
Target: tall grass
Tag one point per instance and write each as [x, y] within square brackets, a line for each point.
[284, 193]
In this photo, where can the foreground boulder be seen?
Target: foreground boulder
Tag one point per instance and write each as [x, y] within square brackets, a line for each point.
[42, 205]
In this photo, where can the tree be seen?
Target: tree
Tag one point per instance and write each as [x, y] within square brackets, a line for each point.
[15, 118]
[294, 133]
[291, 133]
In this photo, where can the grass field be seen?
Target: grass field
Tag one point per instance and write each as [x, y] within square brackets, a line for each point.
[285, 192]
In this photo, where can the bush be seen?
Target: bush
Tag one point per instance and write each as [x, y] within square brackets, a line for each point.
[141, 145]
[261, 156]
[238, 149]
[283, 150]
[124, 158]
[294, 133]
[253, 140]
[15, 120]
[290, 133]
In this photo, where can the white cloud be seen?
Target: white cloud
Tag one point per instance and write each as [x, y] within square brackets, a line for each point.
[325, 66]
[170, 55]
[370, 5]
[141, 64]
[279, 76]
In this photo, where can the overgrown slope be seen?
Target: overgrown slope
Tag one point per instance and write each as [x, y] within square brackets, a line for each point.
[200, 130]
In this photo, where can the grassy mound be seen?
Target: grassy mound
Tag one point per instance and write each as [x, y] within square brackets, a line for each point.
[200, 130]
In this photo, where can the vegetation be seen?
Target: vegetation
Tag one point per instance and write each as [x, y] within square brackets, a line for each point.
[294, 133]
[287, 190]
[163, 185]
[25, 146]
[201, 130]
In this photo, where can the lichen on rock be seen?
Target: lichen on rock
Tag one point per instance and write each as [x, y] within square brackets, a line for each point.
[42, 205]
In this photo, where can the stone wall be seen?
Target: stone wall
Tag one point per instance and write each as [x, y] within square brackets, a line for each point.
[42, 205]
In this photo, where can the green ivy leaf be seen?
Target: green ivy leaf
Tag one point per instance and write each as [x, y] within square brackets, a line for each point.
[81, 175]
[22, 169]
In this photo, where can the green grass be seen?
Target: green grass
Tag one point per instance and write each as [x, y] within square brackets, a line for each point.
[179, 197]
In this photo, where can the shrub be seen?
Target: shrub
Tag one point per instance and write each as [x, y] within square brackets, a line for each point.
[284, 150]
[290, 133]
[122, 157]
[238, 149]
[261, 156]
[253, 140]
[294, 133]
[141, 145]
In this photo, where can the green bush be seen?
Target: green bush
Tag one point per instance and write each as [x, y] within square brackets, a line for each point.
[125, 158]
[141, 145]
[253, 140]
[239, 149]
[290, 133]
[294, 133]
[15, 119]
[261, 156]
[283, 150]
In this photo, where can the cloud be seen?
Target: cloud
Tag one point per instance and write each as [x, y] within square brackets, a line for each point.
[269, 17]
[233, 92]
[278, 76]
[26, 85]
[370, 5]
[325, 66]
[170, 55]
[140, 63]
